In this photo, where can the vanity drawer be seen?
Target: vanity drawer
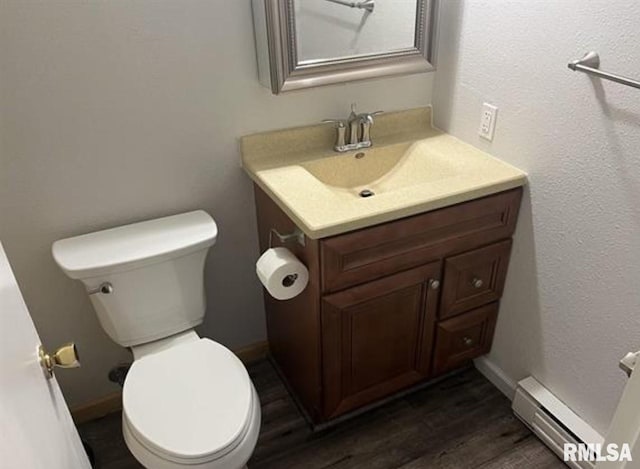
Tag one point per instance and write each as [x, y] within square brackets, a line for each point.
[474, 278]
[381, 250]
[464, 337]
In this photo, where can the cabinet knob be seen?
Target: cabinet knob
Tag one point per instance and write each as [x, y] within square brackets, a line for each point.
[468, 341]
[477, 282]
[434, 284]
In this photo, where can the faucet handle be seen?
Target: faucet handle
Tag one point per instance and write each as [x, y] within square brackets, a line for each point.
[369, 115]
[338, 122]
[341, 132]
[366, 121]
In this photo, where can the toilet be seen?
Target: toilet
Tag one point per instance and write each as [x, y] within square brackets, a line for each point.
[188, 402]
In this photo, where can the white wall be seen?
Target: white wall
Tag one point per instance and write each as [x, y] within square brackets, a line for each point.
[572, 303]
[118, 111]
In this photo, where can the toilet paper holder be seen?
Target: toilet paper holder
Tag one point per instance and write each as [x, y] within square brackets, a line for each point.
[296, 235]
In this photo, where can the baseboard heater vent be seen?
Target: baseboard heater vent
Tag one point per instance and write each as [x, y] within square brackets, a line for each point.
[551, 420]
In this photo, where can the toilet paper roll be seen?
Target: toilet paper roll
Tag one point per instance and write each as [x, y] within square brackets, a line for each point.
[281, 273]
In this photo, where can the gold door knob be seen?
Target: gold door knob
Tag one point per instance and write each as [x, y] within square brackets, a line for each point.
[65, 357]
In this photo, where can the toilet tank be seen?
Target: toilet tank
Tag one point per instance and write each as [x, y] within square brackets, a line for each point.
[145, 280]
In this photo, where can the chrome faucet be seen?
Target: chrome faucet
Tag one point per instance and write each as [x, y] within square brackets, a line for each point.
[359, 127]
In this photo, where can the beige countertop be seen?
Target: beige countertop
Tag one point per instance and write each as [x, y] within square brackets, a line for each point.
[412, 168]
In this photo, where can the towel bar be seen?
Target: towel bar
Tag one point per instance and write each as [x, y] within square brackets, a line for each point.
[589, 64]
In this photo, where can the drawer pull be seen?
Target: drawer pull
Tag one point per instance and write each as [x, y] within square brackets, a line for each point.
[434, 284]
[477, 282]
[467, 341]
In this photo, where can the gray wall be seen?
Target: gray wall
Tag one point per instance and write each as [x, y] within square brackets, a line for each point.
[572, 302]
[118, 111]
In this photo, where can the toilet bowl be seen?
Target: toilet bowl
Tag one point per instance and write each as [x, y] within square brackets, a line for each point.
[188, 402]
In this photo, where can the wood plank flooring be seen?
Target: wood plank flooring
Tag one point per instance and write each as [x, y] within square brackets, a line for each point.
[461, 422]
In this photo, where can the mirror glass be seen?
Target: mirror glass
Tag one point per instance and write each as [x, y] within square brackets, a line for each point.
[331, 29]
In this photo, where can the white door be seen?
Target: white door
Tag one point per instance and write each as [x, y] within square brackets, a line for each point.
[625, 426]
[36, 429]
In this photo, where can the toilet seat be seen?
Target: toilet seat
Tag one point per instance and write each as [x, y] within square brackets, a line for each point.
[190, 404]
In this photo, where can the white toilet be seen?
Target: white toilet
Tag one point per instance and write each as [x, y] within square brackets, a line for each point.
[188, 402]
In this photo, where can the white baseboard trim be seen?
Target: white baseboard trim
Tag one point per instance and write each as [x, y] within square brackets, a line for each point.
[496, 376]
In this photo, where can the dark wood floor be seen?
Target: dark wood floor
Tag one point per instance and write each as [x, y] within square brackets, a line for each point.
[462, 422]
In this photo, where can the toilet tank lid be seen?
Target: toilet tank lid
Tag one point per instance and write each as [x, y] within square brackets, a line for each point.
[131, 246]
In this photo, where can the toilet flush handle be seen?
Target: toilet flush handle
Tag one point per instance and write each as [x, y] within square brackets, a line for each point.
[105, 288]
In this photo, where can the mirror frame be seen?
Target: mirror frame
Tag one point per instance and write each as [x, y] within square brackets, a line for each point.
[287, 74]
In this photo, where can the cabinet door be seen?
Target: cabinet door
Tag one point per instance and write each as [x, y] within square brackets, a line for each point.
[377, 338]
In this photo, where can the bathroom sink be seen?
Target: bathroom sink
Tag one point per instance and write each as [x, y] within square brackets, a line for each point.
[411, 168]
[374, 171]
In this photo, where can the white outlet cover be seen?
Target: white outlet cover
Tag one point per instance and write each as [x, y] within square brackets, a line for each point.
[488, 121]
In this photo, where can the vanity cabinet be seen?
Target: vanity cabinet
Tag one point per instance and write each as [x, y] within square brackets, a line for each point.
[389, 306]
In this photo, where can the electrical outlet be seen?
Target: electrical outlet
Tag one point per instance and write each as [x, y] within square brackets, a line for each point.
[488, 121]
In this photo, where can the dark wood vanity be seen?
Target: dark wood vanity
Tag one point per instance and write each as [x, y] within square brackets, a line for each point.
[389, 306]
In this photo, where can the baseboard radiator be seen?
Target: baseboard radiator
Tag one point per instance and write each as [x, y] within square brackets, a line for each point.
[551, 420]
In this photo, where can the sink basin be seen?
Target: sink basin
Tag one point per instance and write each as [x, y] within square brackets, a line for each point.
[383, 169]
[412, 168]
